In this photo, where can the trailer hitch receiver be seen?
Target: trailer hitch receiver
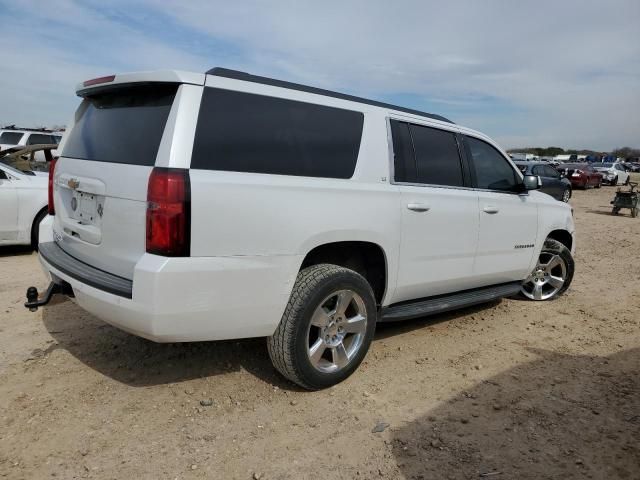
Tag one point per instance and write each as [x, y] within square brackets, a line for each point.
[34, 300]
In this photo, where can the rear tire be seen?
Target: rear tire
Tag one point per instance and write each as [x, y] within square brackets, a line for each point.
[566, 195]
[35, 228]
[626, 183]
[326, 329]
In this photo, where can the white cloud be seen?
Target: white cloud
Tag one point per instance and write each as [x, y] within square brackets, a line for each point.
[536, 73]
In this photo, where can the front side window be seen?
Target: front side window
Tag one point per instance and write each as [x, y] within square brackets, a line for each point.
[551, 172]
[492, 171]
[537, 170]
[245, 132]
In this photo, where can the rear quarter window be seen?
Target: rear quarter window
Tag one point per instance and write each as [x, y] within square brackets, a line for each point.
[243, 132]
[39, 139]
[123, 125]
[10, 138]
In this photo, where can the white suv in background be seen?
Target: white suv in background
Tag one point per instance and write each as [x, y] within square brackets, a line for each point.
[11, 137]
[226, 205]
[613, 173]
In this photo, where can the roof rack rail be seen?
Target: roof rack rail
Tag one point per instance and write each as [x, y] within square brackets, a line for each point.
[28, 129]
[247, 77]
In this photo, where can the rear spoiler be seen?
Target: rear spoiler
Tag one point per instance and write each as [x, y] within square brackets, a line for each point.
[160, 76]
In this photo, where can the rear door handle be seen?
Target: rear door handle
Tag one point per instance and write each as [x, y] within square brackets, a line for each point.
[490, 209]
[418, 207]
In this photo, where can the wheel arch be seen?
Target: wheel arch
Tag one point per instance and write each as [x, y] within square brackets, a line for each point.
[32, 231]
[562, 236]
[369, 259]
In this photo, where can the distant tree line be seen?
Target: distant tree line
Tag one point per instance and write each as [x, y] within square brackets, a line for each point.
[624, 152]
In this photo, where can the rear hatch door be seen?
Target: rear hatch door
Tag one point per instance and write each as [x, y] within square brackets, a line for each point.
[100, 183]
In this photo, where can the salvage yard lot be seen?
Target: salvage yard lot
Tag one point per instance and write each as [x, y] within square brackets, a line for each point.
[512, 389]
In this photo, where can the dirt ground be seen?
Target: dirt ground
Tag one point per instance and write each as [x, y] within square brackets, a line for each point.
[509, 390]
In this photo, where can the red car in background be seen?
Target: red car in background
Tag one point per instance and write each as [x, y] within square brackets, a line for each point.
[581, 175]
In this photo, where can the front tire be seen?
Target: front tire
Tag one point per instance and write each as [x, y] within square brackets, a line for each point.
[614, 182]
[326, 329]
[566, 195]
[553, 273]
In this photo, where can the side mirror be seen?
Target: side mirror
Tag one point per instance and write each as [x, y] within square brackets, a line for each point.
[531, 182]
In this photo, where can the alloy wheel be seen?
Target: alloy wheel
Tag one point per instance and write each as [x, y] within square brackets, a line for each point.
[337, 331]
[547, 279]
[566, 195]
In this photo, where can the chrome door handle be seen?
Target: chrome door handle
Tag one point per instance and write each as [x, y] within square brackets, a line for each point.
[418, 207]
[490, 209]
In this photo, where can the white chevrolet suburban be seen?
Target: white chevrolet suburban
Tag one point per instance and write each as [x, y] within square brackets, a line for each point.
[188, 207]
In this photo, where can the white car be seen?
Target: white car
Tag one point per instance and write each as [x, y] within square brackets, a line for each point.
[613, 173]
[226, 205]
[14, 137]
[23, 205]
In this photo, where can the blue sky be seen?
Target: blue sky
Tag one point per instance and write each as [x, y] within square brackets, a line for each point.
[526, 73]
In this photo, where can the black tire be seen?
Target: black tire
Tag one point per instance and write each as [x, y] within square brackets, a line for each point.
[635, 212]
[288, 346]
[615, 210]
[599, 184]
[614, 182]
[554, 247]
[35, 228]
[566, 195]
[626, 183]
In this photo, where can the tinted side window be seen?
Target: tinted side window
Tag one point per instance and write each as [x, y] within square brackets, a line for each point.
[404, 163]
[538, 170]
[492, 170]
[243, 132]
[551, 172]
[437, 158]
[10, 138]
[39, 138]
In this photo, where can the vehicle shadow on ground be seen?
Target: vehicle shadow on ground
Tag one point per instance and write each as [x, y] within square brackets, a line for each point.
[14, 250]
[138, 362]
[622, 213]
[561, 416]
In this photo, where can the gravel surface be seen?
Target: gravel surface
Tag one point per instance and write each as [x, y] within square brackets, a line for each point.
[506, 390]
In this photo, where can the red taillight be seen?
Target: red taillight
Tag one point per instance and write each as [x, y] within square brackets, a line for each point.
[168, 212]
[52, 167]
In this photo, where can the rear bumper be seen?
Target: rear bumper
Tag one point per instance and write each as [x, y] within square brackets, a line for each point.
[184, 299]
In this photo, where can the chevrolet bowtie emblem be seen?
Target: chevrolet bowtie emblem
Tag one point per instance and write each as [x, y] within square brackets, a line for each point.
[73, 183]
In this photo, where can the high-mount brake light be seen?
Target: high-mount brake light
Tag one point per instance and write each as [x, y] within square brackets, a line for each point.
[52, 167]
[96, 81]
[169, 212]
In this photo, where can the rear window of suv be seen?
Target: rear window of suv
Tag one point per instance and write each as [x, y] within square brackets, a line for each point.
[10, 138]
[123, 125]
[244, 132]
